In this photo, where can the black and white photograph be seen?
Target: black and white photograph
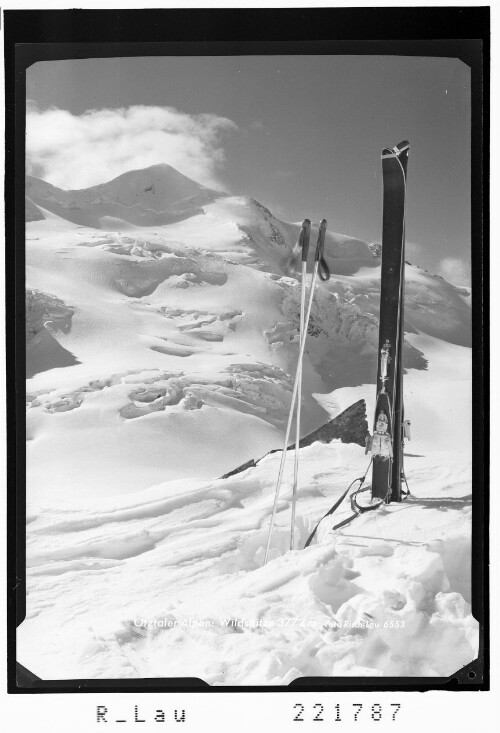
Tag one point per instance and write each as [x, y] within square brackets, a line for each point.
[248, 368]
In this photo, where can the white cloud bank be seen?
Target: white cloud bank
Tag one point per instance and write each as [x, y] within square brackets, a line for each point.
[77, 151]
[455, 270]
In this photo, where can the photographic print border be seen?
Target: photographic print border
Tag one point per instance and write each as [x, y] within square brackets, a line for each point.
[32, 36]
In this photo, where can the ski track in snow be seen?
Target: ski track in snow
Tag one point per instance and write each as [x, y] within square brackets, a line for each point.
[183, 340]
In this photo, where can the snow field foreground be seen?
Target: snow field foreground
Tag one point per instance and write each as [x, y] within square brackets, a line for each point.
[170, 582]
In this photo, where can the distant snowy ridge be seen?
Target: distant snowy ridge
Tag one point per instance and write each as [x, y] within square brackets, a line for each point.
[148, 197]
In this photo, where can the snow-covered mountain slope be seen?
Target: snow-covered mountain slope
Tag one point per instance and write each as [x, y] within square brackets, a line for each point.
[151, 196]
[160, 357]
[153, 316]
[32, 212]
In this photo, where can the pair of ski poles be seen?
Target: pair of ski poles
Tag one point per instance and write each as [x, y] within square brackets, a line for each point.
[321, 267]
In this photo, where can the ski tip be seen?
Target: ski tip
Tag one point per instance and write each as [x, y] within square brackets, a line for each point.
[397, 150]
[401, 147]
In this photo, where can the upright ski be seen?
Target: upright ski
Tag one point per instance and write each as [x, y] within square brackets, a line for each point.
[390, 429]
[387, 442]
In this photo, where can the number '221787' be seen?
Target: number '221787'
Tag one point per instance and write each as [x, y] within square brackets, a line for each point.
[356, 711]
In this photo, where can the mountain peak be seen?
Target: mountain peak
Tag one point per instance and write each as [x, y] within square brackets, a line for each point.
[146, 196]
[162, 174]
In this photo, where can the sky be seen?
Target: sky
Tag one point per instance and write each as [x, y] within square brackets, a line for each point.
[301, 134]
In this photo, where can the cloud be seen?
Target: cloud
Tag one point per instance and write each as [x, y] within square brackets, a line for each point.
[455, 270]
[77, 151]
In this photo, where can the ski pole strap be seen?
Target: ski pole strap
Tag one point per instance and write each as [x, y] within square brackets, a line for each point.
[357, 509]
[344, 522]
[339, 501]
[330, 511]
[305, 234]
[333, 509]
[323, 269]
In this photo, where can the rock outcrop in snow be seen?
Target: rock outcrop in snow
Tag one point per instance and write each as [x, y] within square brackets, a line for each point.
[348, 427]
[46, 317]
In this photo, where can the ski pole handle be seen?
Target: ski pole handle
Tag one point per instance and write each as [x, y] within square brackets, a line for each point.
[305, 234]
[323, 269]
